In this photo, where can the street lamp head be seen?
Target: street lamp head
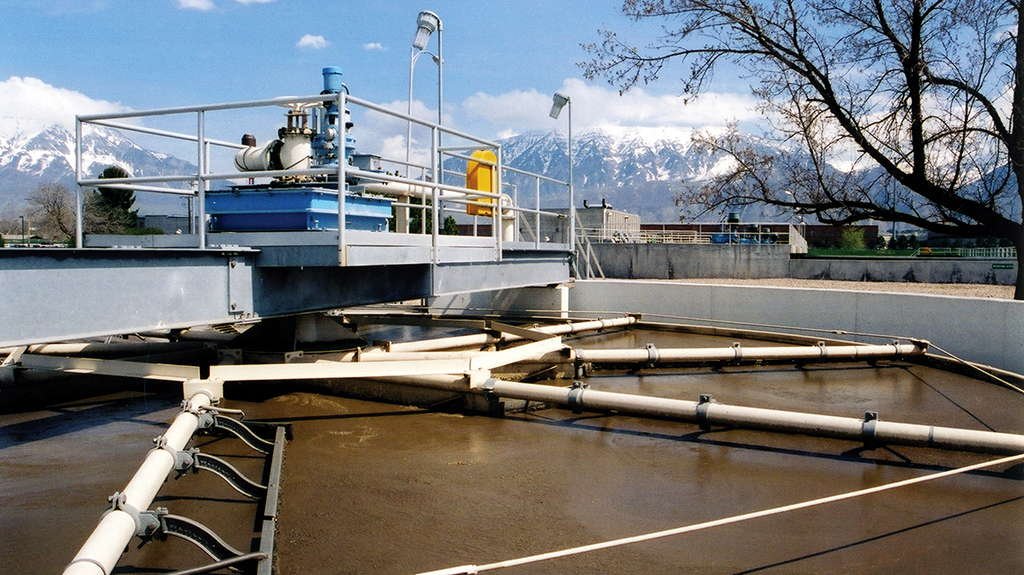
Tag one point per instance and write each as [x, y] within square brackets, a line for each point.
[558, 101]
[426, 23]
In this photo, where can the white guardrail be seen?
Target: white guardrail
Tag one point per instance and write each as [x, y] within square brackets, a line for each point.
[431, 178]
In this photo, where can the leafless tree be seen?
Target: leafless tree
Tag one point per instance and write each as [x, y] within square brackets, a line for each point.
[52, 209]
[903, 110]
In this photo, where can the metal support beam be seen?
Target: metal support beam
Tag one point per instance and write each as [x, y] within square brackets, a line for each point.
[114, 367]
[479, 362]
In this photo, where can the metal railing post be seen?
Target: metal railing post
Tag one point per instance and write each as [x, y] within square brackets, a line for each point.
[423, 210]
[536, 216]
[201, 176]
[79, 204]
[435, 174]
[497, 217]
[342, 161]
[515, 202]
[572, 198]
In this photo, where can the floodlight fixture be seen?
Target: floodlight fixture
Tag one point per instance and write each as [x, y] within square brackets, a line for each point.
[426, 24]
[558, 101]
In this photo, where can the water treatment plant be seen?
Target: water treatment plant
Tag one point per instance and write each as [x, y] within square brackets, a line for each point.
[318, 379]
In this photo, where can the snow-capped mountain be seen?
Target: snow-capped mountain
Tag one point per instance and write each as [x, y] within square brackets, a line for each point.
[637, 170]
[28, 160]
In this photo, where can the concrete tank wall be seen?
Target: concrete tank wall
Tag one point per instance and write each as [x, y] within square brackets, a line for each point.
[988, 331]
[670, 261]
[531, 300]
[928, 270]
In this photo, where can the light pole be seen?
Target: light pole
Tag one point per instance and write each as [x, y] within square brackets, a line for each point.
[426, 23]
[22, 229]
[558, 101]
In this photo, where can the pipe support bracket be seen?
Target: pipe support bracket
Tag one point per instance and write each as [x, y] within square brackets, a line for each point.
[704, 401]
[575, 397]
[737, 351]
[652, 354]
[868, 428]
[146, 522]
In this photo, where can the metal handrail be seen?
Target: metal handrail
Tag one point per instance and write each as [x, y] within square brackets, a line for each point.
[279, 101]
[426, 123]
[165, 133]
[342, 171]
[997, 252]
[614, 235]
[509, 168]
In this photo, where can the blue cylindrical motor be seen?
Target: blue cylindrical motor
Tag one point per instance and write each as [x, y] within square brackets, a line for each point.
[332, 79]
[323, 143]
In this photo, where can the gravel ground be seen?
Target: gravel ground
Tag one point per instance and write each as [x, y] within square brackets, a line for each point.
[964, 290]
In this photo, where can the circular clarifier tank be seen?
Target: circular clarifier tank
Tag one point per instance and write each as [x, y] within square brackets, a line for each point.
[374, 487]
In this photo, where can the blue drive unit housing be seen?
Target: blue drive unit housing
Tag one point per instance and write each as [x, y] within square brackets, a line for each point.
[293, 209]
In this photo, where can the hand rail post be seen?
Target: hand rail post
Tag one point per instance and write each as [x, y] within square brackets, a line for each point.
[497, 218]
[79, 204]
[536, 216]
[435, 174]
[201, 174]
[342, 161]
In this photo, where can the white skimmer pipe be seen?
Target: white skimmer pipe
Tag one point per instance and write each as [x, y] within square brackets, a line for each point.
[103, 548]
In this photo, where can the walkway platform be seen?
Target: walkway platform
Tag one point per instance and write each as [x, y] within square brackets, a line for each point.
[146, 283]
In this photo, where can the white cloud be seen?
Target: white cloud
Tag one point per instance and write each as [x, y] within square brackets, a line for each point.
[31, 105]
[373, 47]
[202, 5]
[603, 108]
[312, 42]
[494, 116]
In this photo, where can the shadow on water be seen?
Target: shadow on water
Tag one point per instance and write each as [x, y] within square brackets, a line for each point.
[233, 500]
[340, 416]
[881, 536]
[71, 418]
[1015, 472]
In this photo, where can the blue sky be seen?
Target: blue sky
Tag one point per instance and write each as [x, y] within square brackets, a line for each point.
[149, 53]
[502, 60]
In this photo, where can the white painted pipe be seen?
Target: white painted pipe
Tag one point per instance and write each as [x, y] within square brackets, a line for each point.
[87, 348]
[405, 190]
[442, 343]
[669, 355]
[399, 189]
[739, 353]
[481, 339]
[711, 413]
[103, 548]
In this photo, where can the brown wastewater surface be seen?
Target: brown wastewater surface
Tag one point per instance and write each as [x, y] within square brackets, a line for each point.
[372, 487]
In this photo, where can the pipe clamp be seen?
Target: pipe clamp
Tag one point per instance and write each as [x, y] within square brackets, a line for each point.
[704, 401]
[868, 428]
[146, 522]
[575, 397]
[187, 406]
[652, 354]
[184, 459]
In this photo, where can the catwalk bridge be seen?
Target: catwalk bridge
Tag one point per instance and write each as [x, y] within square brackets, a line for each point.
[291, 229]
